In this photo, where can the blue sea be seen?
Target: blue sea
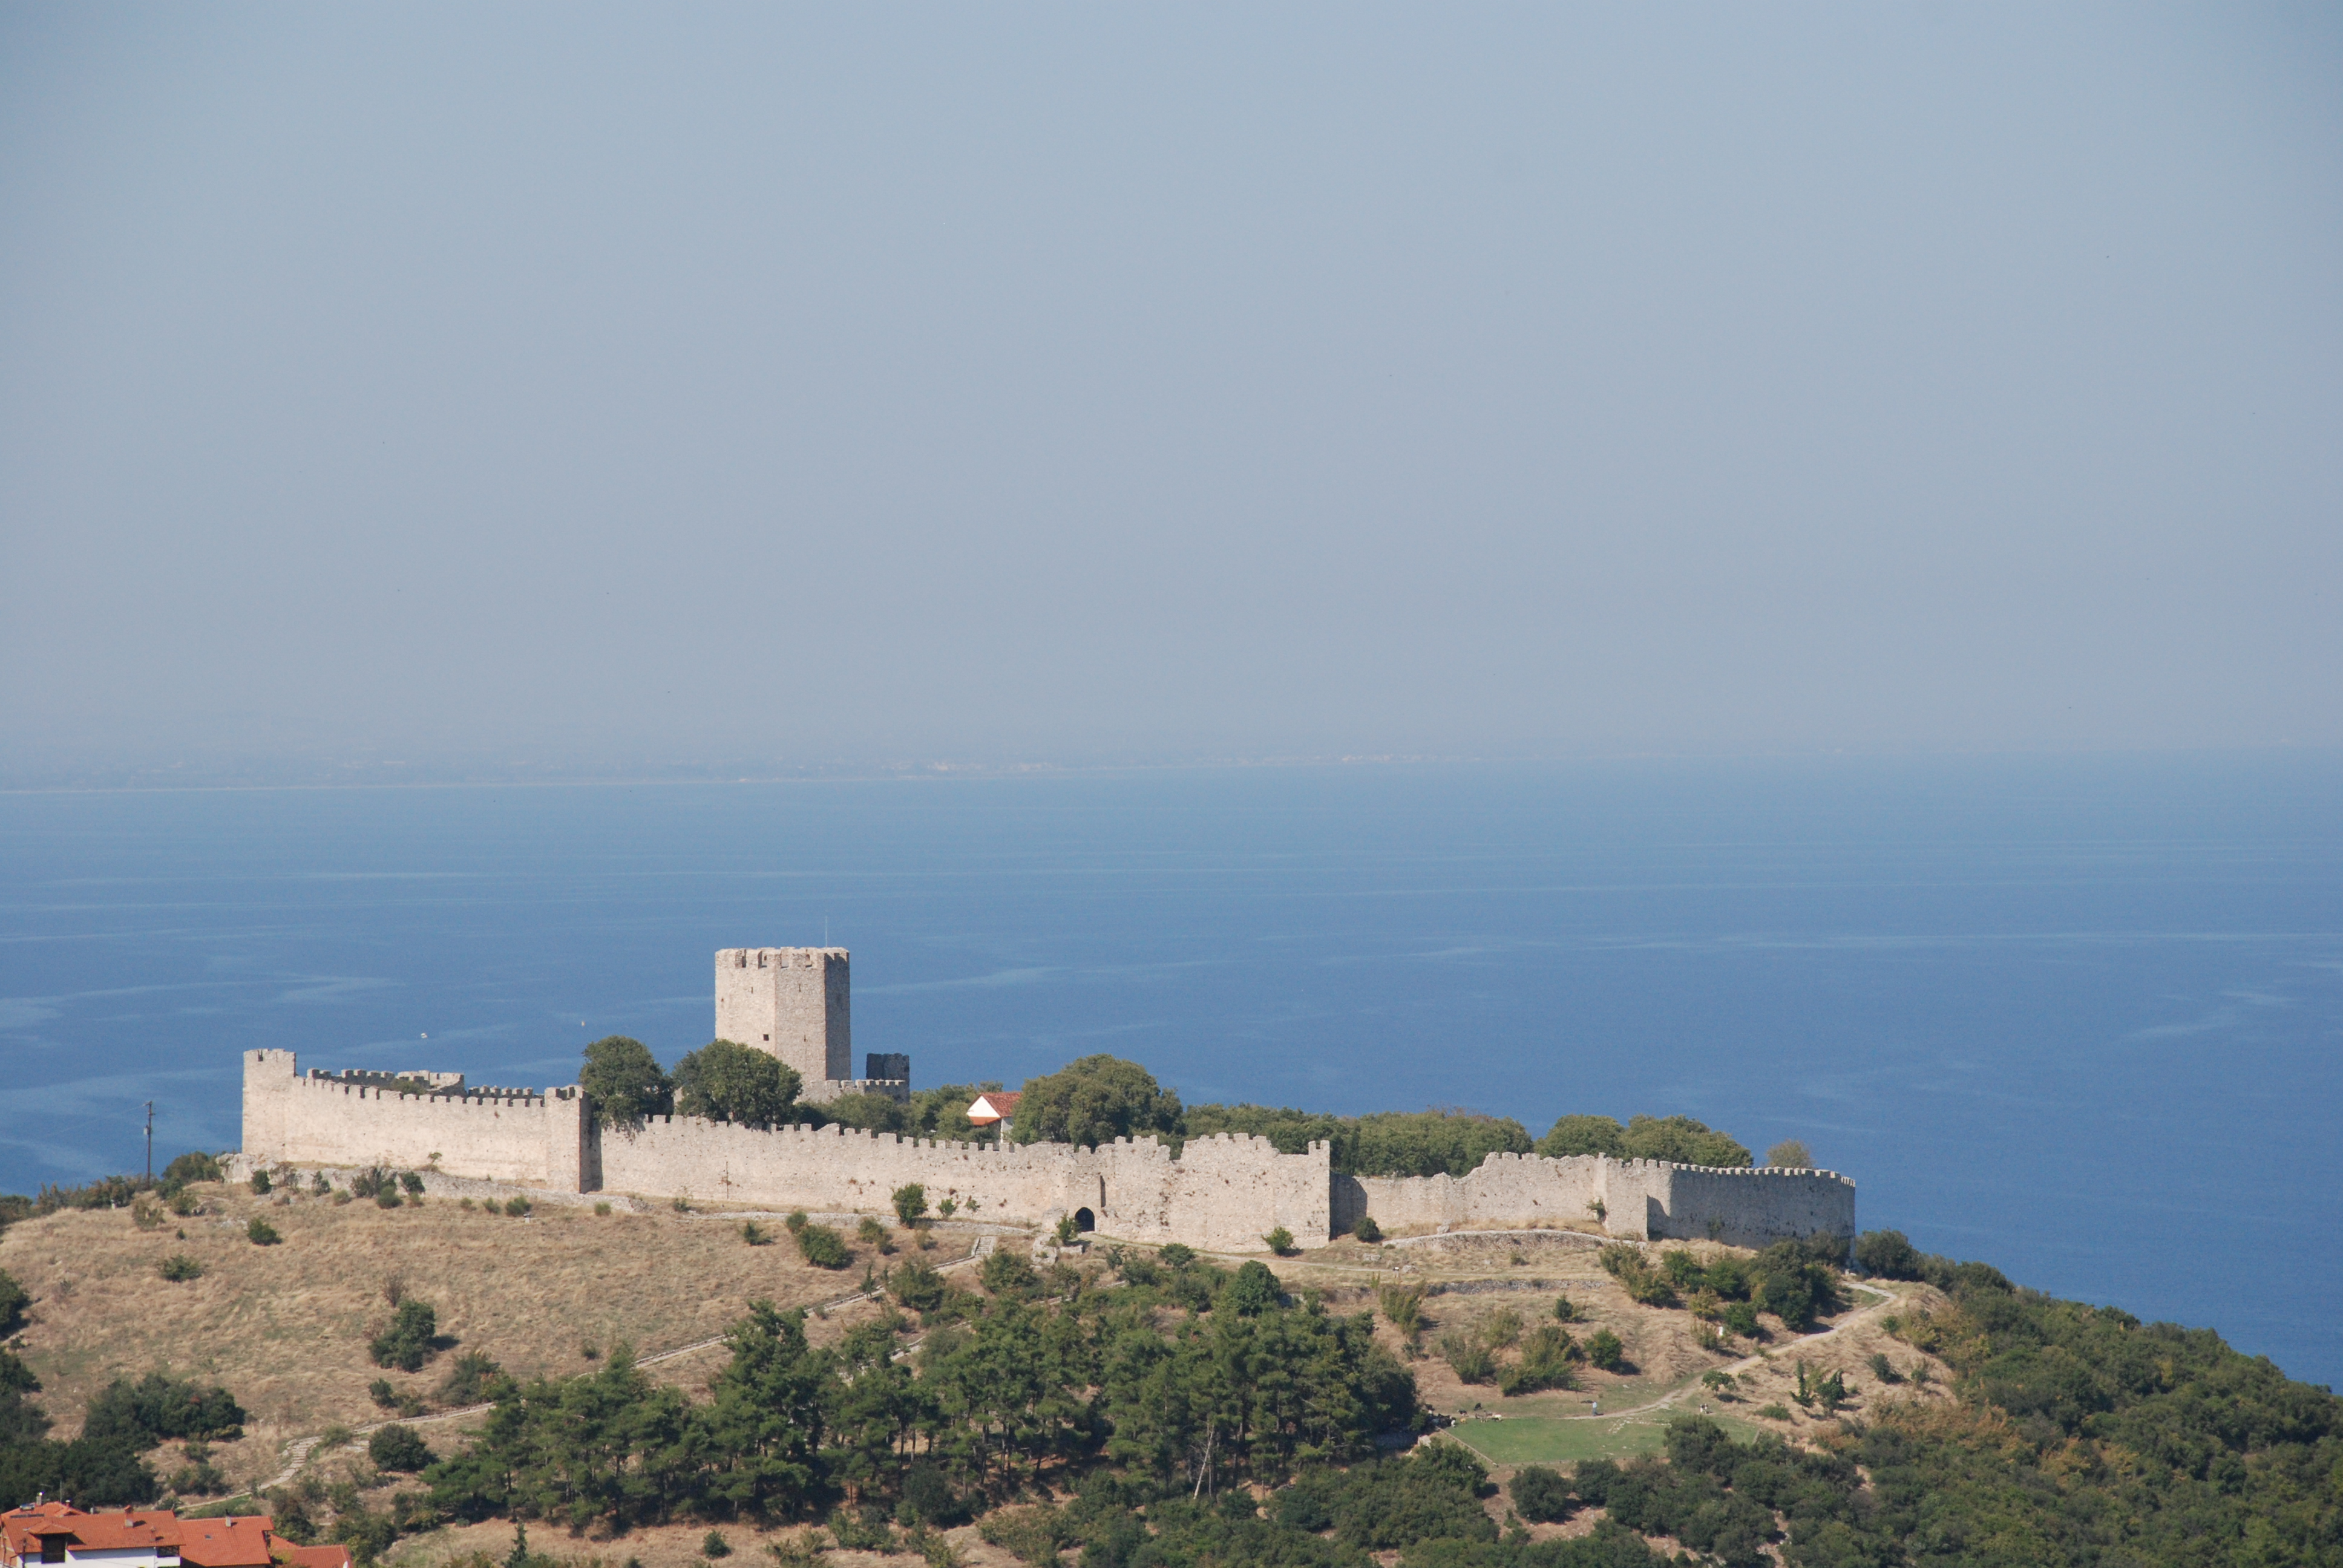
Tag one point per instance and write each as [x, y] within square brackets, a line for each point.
[2077, 1017]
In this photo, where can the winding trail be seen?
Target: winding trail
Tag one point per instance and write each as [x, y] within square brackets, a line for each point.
[1746, 1363]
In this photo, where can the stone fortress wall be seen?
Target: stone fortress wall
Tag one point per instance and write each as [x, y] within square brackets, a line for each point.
[1224, 1193]
[1649, 1199]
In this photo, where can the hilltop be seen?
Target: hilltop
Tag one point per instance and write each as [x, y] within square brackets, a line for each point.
[1005, 1410]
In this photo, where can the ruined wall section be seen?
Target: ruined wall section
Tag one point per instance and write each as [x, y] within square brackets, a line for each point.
[523, 1135]
[1643, 1199]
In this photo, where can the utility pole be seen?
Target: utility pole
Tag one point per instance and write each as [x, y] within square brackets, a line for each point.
[150, 1144]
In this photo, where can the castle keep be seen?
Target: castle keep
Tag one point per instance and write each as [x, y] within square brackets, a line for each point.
[1224, 1192]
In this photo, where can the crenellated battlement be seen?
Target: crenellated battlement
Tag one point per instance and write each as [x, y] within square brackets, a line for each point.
[1224, 1190]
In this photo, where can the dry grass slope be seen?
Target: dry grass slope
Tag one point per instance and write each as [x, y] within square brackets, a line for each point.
[284, 1328]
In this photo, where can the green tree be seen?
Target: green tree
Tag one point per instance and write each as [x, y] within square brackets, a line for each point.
[1252, 1292]
[396, 1447]
[910, 1203]
[409, 1340]
[1790, 1154]
[623, 1083]
[1584, 1135]
[1095, 1101]
[1682, 1140]
[725, 1082]
[1679, 1138]
[767, 1420]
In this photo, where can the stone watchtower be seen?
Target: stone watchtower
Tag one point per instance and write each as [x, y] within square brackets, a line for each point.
[792, 1002]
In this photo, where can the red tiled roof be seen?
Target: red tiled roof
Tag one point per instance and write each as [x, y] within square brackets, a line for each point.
[237, 1541]
[313, 1557]
[993, 1105]
[231, 1543]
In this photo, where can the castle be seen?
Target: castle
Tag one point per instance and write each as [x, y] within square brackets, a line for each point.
[1224, 1192]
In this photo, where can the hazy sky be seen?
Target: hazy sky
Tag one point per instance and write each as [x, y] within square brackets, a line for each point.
[602, 386]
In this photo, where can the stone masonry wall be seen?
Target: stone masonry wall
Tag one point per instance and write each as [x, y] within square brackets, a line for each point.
[520, 1135]
[1644, 1199]
[1224, 1193]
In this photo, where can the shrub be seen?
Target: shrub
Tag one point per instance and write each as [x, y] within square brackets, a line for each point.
[1501, 1328]
[260, 1183]
[1031, 1535]
[191, 1167]
[407, 1343]
[1889, 1254]
[918, 1287]
[1281, 1241]
[1366, 1229]
[795, 1223]
[516, 1206]
[1719, 1384]
[1402, 1307]
[261, 1233]
[1068, 1231]
[1642, 1283]
[910, 1203]
[183, 1203]
[1883, 1370]
[1007, 1274]
[948, 1207]
[318, 1185]
[823, 1247]
[1540, 1494]
[157, 1408]
[468, 1379]
[179, 1269]
[713, 1544]
[1790, 1154]
[396, 1447]
[388, 1197]
[1567, 1310]
[928, 1494]
[411, 1182]
[871, 1233]
[1546, 1357]
[1740, 1318]
[1176, 1255]
[754, 1235]
[1253, 1291]
[1605, 1350]
[603, 1209]
[1471, 1360]
[368, 1182]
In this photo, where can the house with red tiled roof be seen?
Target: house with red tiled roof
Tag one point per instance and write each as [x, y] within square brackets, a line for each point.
[993, 1108]
[58, 1533]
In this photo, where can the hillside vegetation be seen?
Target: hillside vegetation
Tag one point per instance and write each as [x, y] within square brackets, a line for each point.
[1139, 1408]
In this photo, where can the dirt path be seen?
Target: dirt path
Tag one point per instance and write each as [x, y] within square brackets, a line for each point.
[1746, 1363]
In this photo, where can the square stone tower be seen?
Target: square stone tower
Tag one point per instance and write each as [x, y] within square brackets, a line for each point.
[791, 1002]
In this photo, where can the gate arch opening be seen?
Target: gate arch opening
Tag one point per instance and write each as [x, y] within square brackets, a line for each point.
[1085, 1221]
